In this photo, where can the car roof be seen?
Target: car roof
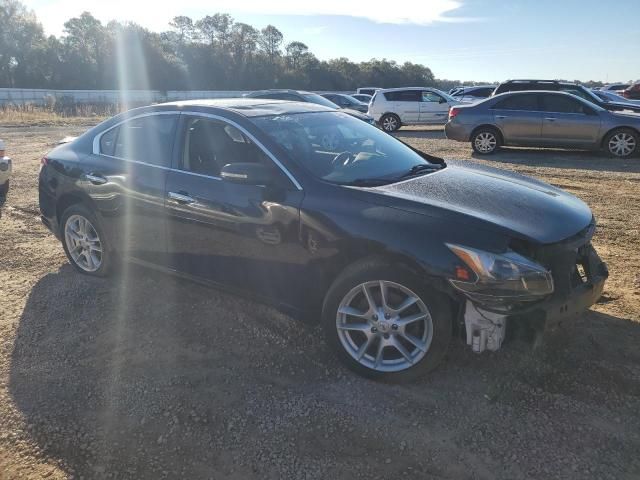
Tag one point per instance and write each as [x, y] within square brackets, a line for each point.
[249, 107]
[277, 90]
[553, 82]
[400, 89]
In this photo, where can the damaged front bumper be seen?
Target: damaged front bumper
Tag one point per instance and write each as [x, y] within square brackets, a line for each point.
[579, 277]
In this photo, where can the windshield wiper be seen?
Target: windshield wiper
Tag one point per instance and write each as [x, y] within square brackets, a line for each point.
[421, 168]
[368, 182]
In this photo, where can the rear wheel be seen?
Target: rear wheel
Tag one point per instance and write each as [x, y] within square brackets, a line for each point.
[390, 122]
[621, 143]
[84, 241]
[384, 323]
[485, 140]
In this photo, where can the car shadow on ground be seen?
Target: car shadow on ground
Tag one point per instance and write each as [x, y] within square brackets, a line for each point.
[564, 159]
[149, 376]
[419, 133]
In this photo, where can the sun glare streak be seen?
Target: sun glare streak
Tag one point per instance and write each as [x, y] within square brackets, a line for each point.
[132, 74]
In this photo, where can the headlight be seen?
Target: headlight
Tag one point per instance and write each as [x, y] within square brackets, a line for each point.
[499, 277]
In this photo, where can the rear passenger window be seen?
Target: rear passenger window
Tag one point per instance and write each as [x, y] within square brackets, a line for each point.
[519, 102]
[562, 104]
[147, 139]
[404, 96]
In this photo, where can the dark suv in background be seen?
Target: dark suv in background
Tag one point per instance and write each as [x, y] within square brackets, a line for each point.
[557, 86]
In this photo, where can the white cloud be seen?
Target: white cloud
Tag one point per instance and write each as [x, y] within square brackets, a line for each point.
[156, 14]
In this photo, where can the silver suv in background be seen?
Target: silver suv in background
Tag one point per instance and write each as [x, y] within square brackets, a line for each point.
[543, 119]
[394, 107]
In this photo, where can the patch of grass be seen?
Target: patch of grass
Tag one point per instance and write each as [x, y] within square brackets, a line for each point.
[22, 115]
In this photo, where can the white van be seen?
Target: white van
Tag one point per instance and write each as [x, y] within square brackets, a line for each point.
[367, 90]
[394, 107]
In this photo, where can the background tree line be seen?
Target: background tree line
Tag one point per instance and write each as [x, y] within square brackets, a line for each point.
[212, 53]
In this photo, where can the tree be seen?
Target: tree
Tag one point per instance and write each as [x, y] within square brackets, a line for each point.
[270, 41]
[295, 51]
[207, 28]
[184, 26]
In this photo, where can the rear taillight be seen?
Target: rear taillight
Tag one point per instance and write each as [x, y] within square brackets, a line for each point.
[44, 161]
[453, 111]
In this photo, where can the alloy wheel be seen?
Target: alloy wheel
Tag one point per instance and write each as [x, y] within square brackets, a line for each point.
[83, 243]
[622, 144]
[390, 123]
[485, 142]
[384, 326]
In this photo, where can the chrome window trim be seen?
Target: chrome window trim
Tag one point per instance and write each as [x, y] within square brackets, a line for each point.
[96, 144]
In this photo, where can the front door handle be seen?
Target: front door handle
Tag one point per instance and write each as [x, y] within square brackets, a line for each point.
[95, 178]
[181, 197]
[500, 117]
[550, 119]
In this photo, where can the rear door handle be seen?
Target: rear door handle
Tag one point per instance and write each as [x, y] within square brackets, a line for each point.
[550, 119]
[181, 197]
[96, 178]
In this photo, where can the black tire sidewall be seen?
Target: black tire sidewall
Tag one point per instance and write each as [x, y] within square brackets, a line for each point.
[611, 134]
[485, 130]
[436, 302]
[390, 115]
[107, 253]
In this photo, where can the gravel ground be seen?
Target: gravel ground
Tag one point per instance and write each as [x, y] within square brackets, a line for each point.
[148, 376]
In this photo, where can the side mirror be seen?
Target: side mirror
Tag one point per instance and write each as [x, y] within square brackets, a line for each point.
[247, 173]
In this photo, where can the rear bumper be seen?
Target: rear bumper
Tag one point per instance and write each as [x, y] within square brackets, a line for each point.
[457, 131]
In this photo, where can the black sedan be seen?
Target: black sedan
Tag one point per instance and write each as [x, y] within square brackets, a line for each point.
[394, 250]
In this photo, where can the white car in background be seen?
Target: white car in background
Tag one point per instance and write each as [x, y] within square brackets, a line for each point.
[393, 108]
[5, 173]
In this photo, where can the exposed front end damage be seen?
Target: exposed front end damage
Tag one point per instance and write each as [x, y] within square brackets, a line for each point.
[578, 281]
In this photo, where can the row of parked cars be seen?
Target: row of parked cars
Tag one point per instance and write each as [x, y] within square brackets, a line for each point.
[540, 113]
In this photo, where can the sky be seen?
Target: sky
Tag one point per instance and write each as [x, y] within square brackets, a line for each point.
[482, 40]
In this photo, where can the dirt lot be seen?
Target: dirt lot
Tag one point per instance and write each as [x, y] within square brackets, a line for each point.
[151, 377]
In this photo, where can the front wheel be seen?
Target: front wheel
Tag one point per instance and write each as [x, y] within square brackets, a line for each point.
[485, 141]
[84, 241]
[621, 143]
[385, 324]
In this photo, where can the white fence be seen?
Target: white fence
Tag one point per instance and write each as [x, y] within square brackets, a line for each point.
[29, 96]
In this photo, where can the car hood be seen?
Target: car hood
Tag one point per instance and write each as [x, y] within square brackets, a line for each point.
[524, 207]
[355, 113]
[627, 106]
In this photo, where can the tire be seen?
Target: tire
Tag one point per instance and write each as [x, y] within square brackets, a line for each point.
[359, 333]
[621, 143]
[390, 122]
[4, 190]
[485, 140]
[86, 247]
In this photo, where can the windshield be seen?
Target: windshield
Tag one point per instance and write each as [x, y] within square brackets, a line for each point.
[319, 99]
[353, 100]
[338, 148]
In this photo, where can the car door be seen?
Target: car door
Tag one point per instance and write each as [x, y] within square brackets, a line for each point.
[241, 236]
[519, 118]
[433, 108]
[568, 121]
[126, 180]
[406, 104]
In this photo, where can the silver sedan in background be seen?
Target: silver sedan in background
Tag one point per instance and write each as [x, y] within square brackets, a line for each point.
[5, 172]
[543, 119]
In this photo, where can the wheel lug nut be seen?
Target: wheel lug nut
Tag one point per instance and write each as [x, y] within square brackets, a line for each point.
[386, 335]
[387, 316]
[375, 317]
[374, 330]
[394, 326]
